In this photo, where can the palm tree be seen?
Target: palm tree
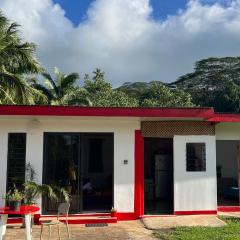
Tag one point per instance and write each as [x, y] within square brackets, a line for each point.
[62, 90]
[17, 59]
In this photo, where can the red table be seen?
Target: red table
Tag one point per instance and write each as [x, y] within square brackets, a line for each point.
[27, 211]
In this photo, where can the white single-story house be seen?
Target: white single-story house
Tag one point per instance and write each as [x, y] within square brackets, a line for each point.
[142, 161]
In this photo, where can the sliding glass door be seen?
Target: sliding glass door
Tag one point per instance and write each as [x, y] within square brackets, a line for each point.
[82, 163]
[62, 167]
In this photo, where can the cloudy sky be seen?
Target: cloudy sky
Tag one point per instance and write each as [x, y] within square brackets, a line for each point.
[131, 40]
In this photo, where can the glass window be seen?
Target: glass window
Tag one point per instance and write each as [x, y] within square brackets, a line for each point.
[196, 157]
[95, 155]
[16, 160]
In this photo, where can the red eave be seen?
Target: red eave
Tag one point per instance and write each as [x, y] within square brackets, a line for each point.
[14, 110]
[224, 117]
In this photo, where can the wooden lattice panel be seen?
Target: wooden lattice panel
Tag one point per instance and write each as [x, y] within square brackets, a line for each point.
[168, 129]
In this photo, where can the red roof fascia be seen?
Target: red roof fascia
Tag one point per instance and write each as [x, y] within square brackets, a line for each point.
[224, 117]
[203, 113]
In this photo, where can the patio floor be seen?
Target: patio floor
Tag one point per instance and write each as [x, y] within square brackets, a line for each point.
[163, 222]
[230, 214]
[130, 230]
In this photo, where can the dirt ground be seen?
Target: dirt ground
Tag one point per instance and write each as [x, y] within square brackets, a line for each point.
[130, 230]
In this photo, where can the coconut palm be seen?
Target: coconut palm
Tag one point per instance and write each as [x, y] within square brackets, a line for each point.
[62, 89]
[16, 60]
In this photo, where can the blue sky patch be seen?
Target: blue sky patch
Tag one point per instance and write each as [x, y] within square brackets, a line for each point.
[76, 9]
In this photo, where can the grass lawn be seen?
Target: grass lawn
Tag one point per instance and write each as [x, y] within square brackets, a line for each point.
[230, 232]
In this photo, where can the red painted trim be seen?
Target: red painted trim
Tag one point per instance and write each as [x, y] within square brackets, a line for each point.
[77, 221]
[199, 212]
[122, 216]
[81, 215]
[224, 117]
[90, 221]
[229, 208]
[202, 113]
[81, 218]
[14, 221]
[139, 175]
[126, 216]
[199, 113]
[154, 216]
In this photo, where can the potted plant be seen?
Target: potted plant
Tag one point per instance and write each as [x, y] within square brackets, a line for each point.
[33, 190]
[113, 212]
[14, 199]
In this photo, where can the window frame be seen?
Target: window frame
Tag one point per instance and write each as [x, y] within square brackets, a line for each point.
[8, 187]
[203, 160]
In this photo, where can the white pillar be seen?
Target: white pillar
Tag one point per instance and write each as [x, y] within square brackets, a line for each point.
[34, 155]
[124, 141]
[3, 164]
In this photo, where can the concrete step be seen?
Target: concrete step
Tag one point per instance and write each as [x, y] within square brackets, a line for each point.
[82, 219]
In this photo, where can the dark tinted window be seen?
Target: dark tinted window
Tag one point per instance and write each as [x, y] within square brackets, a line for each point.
[196, 157]
[16, 160]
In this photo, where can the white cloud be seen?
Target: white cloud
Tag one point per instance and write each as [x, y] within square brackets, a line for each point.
[121, 37]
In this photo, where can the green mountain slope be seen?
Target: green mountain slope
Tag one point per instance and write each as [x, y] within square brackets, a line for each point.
[211, 74]
[215, 82]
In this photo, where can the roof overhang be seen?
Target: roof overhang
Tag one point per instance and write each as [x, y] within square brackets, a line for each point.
[170, 113]
[224, 117]
[156, 113]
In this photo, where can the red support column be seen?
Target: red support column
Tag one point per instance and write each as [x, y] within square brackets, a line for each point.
[139, 175]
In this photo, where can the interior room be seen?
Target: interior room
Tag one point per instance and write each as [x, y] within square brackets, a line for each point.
[97, 179]
[227, 173]
[158, 175]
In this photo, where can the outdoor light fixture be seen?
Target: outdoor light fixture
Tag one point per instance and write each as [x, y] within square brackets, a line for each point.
[125, 161]
[33, 125]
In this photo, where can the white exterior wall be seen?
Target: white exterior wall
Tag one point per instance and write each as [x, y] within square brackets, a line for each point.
[194, 191]
[228, 131]
[124, 141]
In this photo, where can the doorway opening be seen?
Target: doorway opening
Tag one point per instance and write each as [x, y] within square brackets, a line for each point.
[227, 173]
[158, 175]
[82, 163]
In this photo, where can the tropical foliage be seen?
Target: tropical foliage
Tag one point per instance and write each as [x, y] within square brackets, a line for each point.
[33, 190]
[161, 96]
[101, 94]
[215, 82]
[17, 59]
[14, 195]
[63, 89]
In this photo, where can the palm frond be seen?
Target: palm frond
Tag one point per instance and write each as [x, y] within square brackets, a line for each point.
[13, 28]
[46, 92]
[16, 59]
[19, 90]
[50, 82]
[69, 80]
[59, 76]
[6, 97]
[34, 191]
